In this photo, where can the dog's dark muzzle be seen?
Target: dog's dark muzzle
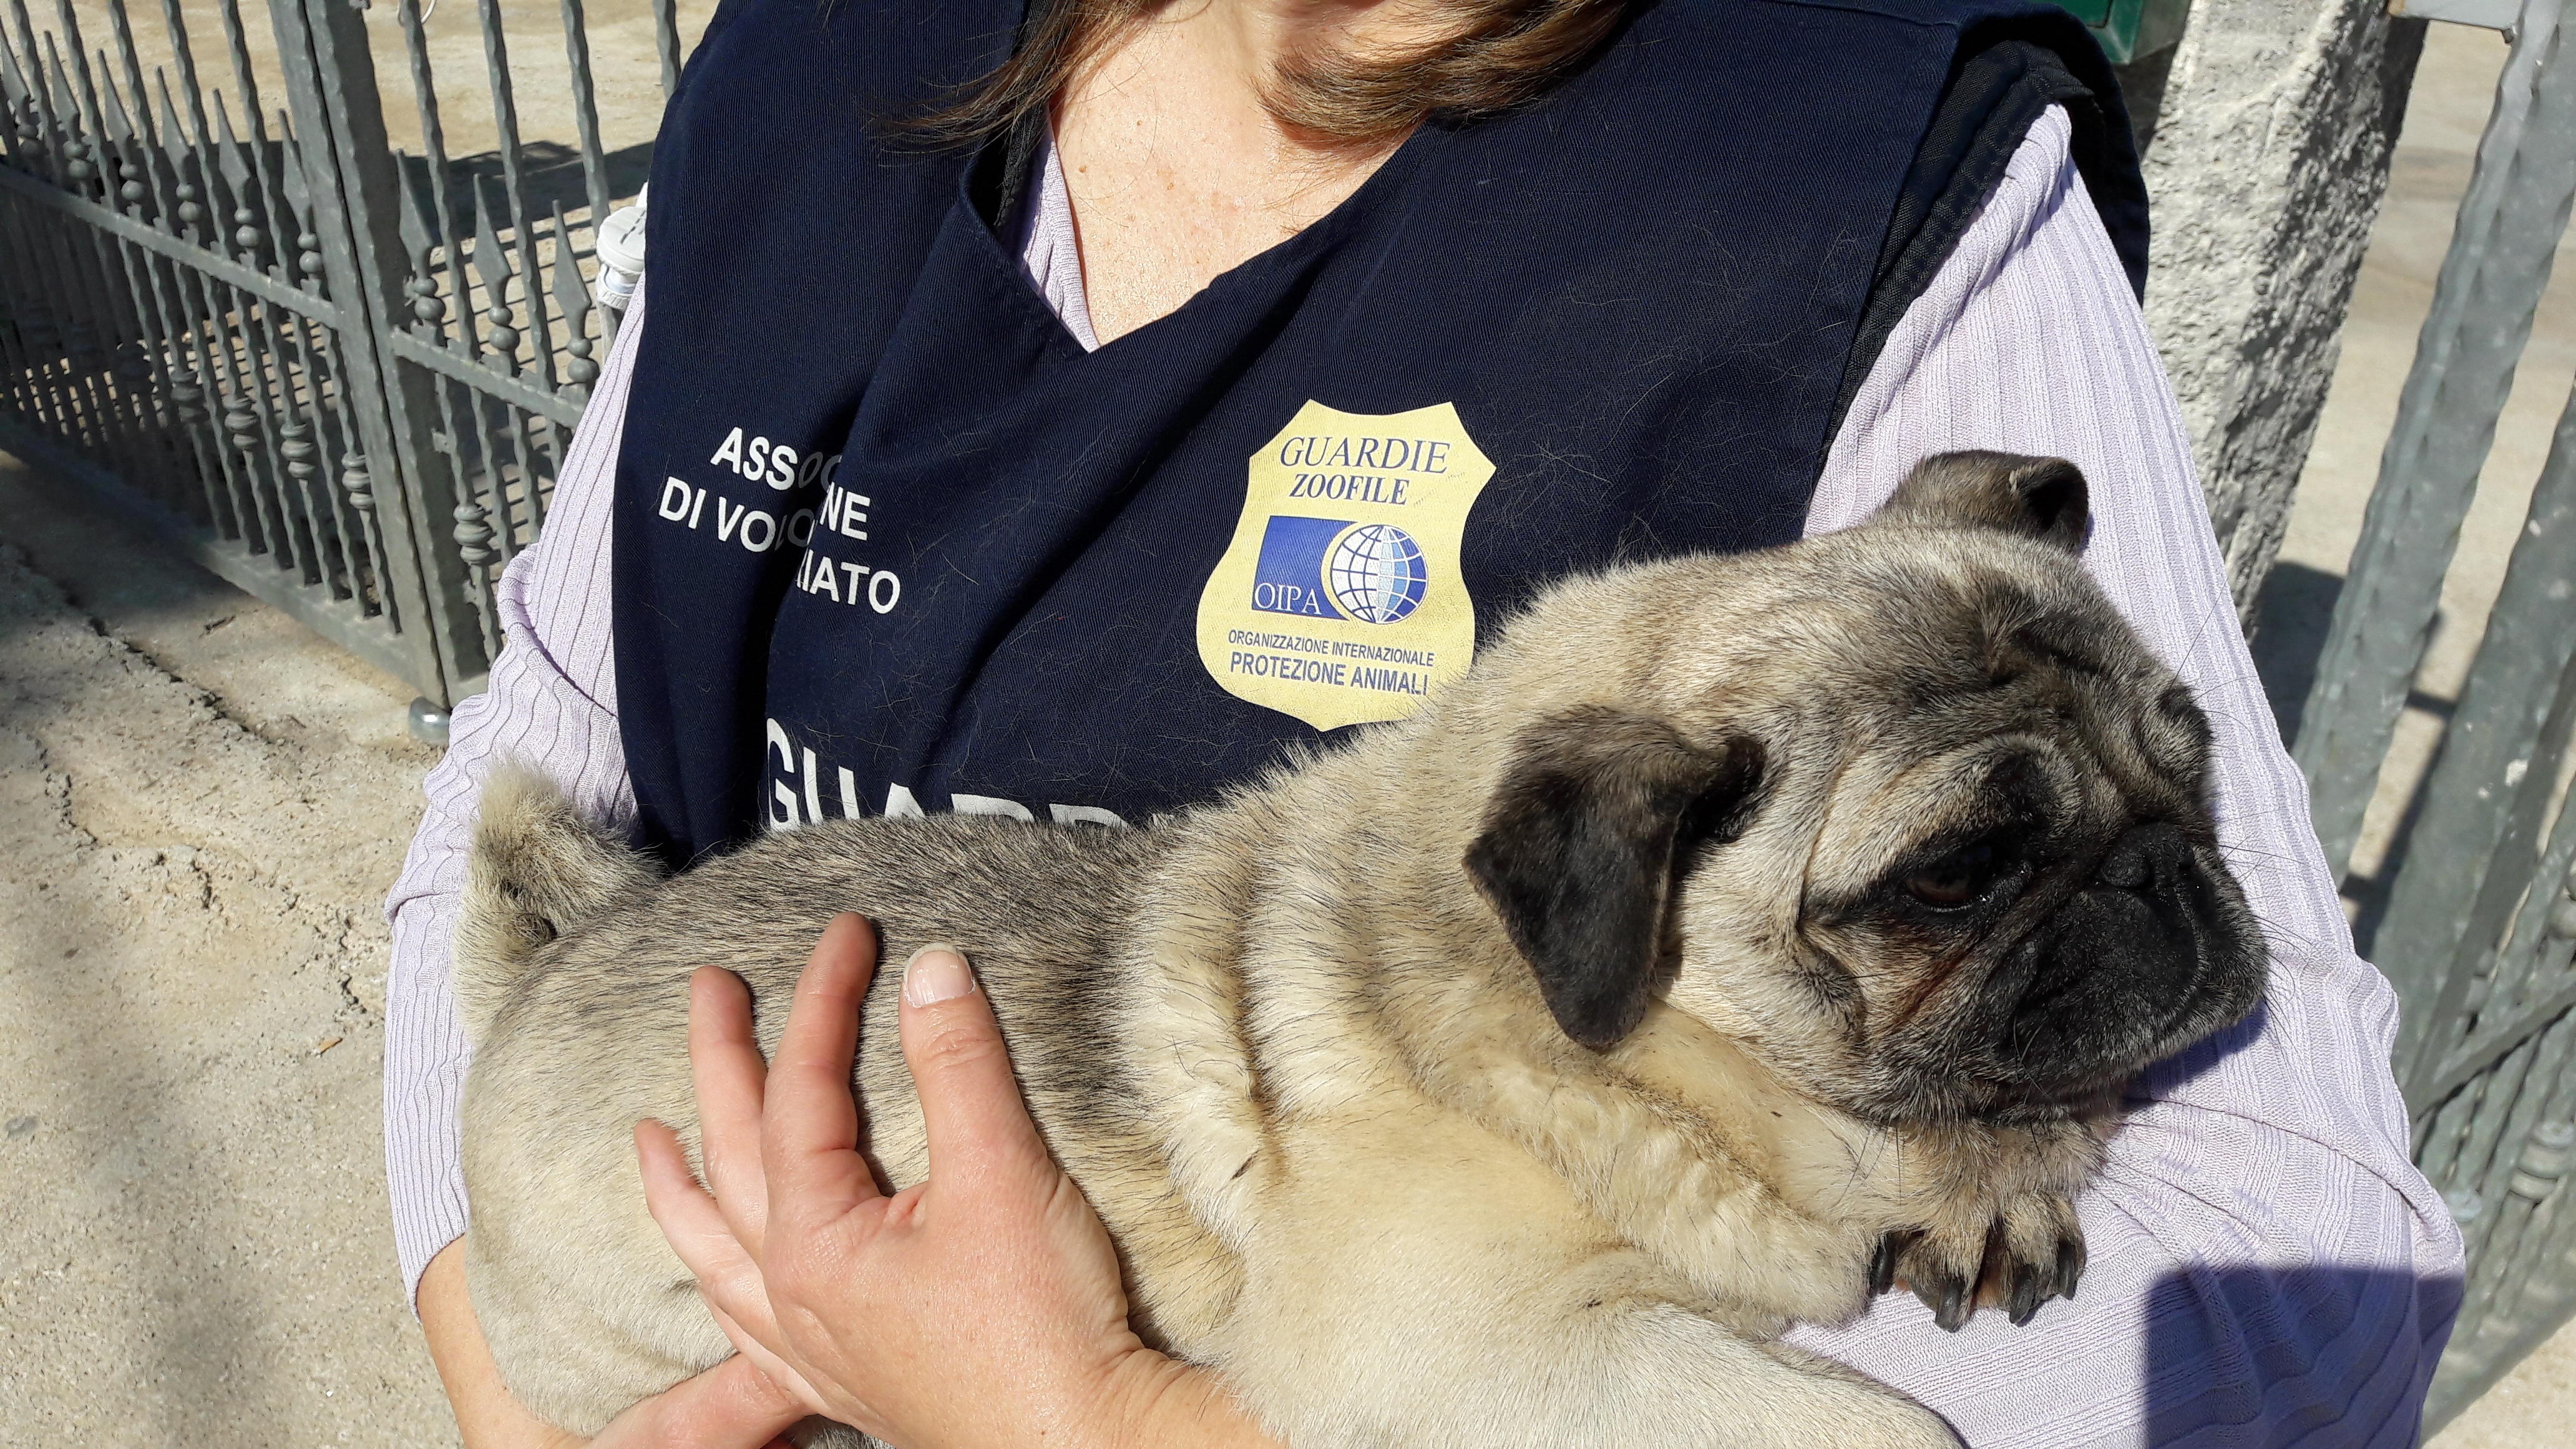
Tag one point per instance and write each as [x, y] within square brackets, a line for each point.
[2156, 951]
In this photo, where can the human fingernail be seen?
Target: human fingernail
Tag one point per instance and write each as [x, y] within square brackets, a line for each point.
[935, 974]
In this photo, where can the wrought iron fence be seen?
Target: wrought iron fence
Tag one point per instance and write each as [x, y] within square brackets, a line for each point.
[2478, 933]
[337, 355]
[340, 371]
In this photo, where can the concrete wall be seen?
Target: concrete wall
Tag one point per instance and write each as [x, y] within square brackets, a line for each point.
[2271, 126]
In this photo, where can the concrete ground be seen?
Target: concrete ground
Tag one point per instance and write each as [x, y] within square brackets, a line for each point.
[201, 806]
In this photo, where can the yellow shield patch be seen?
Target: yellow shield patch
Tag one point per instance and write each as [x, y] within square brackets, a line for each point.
[1340, 601]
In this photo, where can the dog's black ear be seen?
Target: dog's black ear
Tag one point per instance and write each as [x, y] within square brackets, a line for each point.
[2042, 498]
[1583, 850]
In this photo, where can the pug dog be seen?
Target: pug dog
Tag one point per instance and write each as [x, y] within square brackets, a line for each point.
[1739, 937]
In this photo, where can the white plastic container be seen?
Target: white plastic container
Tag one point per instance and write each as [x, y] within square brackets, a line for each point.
[621, 254]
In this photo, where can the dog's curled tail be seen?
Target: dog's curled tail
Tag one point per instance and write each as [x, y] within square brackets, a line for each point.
[538, 871]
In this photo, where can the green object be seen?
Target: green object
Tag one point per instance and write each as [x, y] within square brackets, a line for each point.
[2129, 29]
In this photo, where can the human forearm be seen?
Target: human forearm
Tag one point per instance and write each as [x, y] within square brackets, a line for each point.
[486, 1415]
[550, 704]
[730, 1406]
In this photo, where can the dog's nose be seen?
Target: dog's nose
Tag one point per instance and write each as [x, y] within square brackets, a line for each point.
[2148, 853]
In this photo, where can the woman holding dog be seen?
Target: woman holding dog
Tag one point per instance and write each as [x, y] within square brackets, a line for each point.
[924, 485]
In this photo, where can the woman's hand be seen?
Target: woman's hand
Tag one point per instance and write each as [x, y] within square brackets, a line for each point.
[731, 1406]
[981, 1309]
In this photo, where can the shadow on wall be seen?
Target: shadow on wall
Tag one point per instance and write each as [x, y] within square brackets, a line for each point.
[2243, 1356]
[2291, 619]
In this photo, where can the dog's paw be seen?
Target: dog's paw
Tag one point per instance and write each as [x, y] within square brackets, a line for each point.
[2030, 1252]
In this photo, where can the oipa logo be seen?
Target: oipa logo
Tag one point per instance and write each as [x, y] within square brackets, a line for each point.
[1332, 568]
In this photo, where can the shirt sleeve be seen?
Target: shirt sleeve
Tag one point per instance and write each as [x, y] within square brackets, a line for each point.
[551, 704]
[2267, 1267]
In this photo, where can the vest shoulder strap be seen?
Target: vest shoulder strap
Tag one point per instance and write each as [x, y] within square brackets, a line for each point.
[1997, 90]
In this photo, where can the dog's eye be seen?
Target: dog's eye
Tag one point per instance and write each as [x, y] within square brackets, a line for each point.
[1956, 879]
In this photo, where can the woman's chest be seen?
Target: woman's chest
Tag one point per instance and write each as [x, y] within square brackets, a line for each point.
[1164, 204]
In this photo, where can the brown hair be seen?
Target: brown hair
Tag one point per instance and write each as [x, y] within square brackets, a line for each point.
[1497, 54]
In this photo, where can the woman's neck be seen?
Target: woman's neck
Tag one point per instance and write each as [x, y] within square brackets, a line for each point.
[1177, 168]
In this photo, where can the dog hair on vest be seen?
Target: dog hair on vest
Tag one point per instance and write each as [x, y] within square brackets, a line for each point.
[1740, 936]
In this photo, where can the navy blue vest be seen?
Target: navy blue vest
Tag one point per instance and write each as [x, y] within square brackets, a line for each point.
[887, 538]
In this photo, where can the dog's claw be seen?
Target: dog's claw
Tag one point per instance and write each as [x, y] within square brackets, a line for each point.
[2014, 1271]
[1947, 1297]
[2030, 1289]
[1882, 1263]
[2027, 1283]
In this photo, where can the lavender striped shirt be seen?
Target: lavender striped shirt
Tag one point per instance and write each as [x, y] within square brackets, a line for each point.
[2267, 1266]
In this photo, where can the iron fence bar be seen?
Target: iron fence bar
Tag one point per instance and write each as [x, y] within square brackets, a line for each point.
[152, 311]
[136, 185]
[492, 262]
[87, 95]
[2532, 981]
[2530, 1195]
[585, 115]
[16, 354]
[77, 402]
[252, 414]
[187, 397]
[2501, 249]
[472, 535]
[666, 45]
[2484, 1342]
[357, 482]
[29, 321]
[56, 265]
[430, 347]
[2457, 1160]
[183, 55]
[17, 362]
[333, 95]
[572, 299]
[307, 433]
[505, 118]
[175, 200]
[2494, 1329]
[2499, 747]
[361, 545]
[117, 437]
[303, 437]
[89, 305]
[213, 338]
[152, 174]
[489, 524]
[32, 323]
[48, 140]
[2534, 1092]
[2486, 1050]
[254, 422]
[464, 529]
[237, 45]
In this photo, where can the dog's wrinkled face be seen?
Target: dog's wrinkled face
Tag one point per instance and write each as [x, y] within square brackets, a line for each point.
[1930, 835]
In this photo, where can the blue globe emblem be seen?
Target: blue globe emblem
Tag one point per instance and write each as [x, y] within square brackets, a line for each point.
[1375, 573]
